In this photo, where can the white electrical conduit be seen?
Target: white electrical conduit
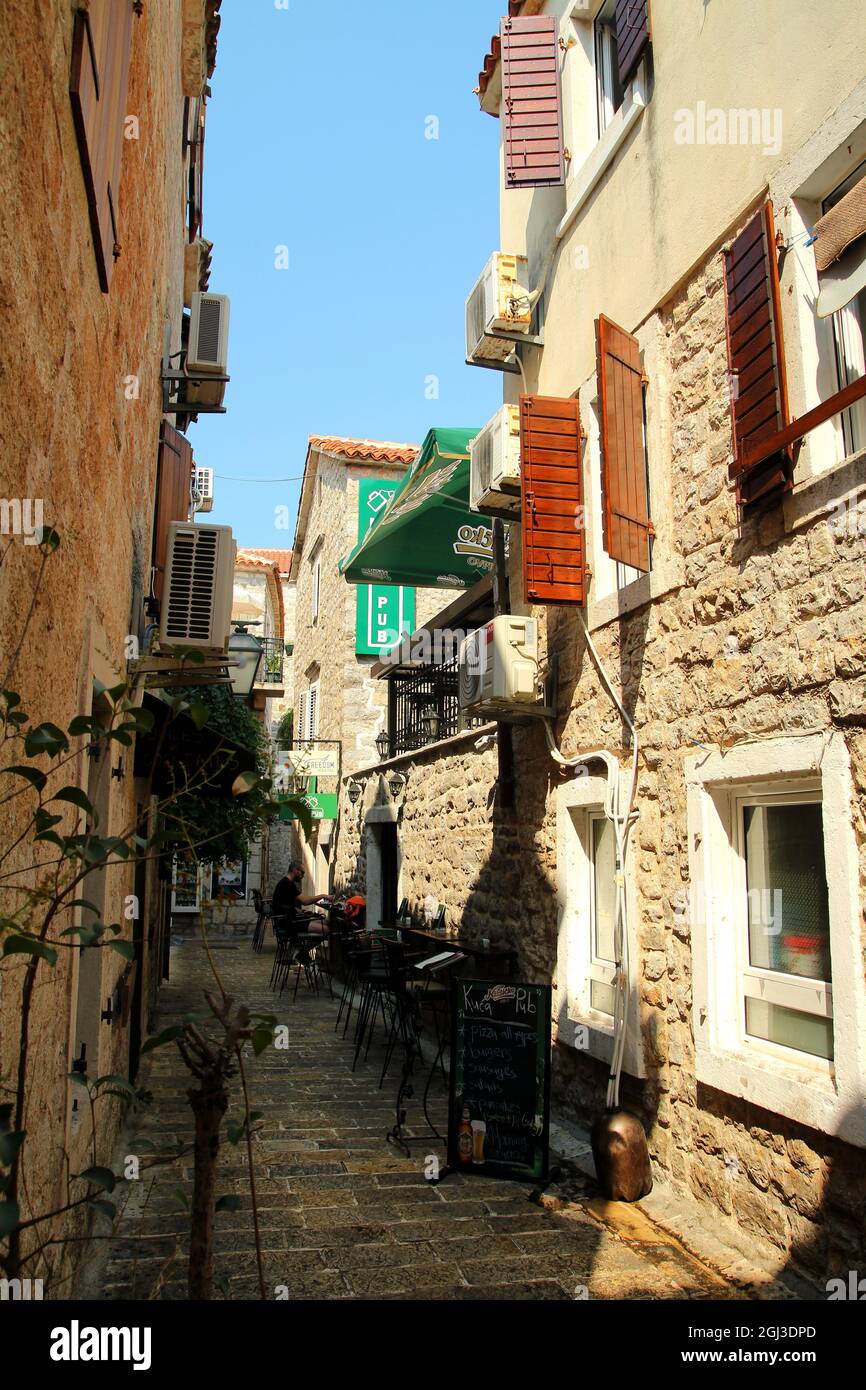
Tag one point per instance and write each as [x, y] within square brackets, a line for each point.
[621, 819]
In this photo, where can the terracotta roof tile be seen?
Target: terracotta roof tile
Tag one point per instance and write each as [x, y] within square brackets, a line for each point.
[491, 61]
[375, 450]
[281, 558]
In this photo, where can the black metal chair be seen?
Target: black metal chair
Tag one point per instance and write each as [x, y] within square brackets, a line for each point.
[263, 914]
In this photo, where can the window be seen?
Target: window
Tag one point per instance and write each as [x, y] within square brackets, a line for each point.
[586, 887]
[849, 336]
[779, 998]
[784, 924]
[602, 966]
[607, 65]
[316, 589]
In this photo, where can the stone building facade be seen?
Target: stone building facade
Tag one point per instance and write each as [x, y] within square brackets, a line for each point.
[740, 657]
[87, 311]
[336, 698]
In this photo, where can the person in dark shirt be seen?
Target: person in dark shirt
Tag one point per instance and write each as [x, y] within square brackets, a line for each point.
[286, 898]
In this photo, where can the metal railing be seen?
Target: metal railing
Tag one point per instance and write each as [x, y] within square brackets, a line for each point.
[270, 670]
[423, 707]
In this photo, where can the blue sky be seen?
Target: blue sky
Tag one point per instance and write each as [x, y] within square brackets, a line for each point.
[316, 142]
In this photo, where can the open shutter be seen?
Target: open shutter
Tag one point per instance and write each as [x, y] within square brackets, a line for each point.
[532, 102]
[623, 460]
[759, 397]
[172, 495]
[301, 733]
[632, 36]
[551, 481]
[98, 80]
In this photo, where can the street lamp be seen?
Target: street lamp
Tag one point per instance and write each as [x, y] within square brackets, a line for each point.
[247, 652]
[383, 745]
[396, 782]
[353, 792]
[430, 720]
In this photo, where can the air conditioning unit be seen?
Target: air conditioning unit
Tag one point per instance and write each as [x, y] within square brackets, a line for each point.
[494, 462]
[202, 490]
[498, 666]
[499, 303]
[207, 354]
[196, 604]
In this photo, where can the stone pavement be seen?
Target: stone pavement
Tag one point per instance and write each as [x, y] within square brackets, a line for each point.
[344, 1214]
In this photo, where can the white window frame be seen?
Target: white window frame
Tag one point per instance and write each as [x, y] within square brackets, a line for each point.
[798, 992]
[592, 150]
[797, 190]
[579, 1025]
[601, 971]
[830, 1097]
[606, 75]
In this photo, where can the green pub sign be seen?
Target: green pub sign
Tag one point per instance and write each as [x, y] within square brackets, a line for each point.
[385, 612]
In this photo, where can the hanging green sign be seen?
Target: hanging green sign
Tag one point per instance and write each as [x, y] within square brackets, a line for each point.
[321, 806]
[385, 613]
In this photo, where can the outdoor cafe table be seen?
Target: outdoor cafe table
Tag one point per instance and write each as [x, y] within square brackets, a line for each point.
[447, 942]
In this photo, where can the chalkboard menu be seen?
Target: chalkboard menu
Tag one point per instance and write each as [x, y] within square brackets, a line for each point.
[499, 1102]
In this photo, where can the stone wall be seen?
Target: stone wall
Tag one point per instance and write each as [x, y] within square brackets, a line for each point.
[753, 630]
[79, 429]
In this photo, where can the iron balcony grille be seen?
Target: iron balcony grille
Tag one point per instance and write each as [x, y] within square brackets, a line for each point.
[423, 707]
[271, 666]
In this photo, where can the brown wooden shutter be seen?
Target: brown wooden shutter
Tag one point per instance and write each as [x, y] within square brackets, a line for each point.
[100, 68]
[172, 494]
[625, 505]
[532, 102]
[551, 481]
[756, 357]
[632, 20]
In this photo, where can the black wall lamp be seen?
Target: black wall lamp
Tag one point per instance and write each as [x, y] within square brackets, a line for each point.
[383, 745]
[397, 783]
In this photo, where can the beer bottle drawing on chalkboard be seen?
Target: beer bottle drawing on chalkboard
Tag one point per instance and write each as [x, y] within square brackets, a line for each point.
[464, 1137]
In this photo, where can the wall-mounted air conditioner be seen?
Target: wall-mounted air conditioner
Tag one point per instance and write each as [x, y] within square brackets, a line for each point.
[494, 463]
[498, 666]
[207, 354]
[202, 489]
[498, 304]
[196, 606]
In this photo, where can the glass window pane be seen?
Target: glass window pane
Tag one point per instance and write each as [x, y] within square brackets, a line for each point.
[604, 888]
[601, 997]
[790, 1028]
[789, 920]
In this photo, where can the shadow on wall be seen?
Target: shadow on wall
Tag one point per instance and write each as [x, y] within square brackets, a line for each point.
[776, 1178]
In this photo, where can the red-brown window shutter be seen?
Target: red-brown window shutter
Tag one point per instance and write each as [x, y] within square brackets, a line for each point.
[98, 80]
[551, 482]
[172, 494]
[532, 102]
[625, 505]
[756, 357]
[632, 36]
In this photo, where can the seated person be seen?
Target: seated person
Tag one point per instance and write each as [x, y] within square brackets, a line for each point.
[287, 897]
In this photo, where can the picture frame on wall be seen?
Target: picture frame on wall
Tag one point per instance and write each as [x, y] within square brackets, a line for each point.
[230, 877]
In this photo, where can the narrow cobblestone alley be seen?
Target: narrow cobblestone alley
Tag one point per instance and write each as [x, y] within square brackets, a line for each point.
[343, 1213]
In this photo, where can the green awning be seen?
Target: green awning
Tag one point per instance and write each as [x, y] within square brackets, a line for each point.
[427, 536]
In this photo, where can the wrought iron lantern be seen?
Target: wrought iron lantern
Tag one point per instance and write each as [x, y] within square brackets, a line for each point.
[383, 744]
[430, 720]
[247, 652]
